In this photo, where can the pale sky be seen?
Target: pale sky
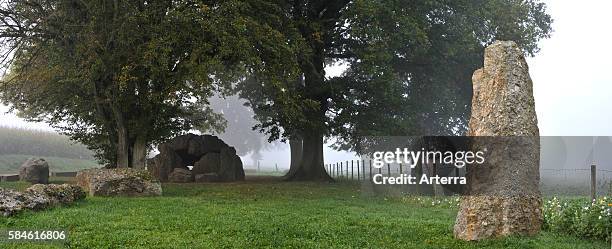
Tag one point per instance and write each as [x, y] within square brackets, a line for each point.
[572, 84]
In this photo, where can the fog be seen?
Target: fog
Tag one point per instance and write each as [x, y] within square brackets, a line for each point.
[571, 84]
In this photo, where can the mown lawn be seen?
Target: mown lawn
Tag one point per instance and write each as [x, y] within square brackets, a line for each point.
[262, 214]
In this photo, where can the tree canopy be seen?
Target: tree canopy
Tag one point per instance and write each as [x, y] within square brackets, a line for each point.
[139, 72]
[121, 75]
[409, 67]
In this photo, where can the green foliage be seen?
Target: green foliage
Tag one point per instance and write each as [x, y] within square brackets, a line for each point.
[40, 143]
[264, 215]
[409, 65]
[579, 217]
[411, 62]
[110, 73]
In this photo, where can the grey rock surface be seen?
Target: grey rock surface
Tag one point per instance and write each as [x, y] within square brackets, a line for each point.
[206, 153]
[38, 197]
[180, 175]
[164, 163]
[34, 171]
[118, 182]
[502, 197]
[209, 163]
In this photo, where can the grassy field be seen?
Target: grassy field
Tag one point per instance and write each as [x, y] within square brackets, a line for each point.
[263, 214]
[11, 163]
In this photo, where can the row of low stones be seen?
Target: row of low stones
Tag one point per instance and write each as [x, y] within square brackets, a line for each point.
[212, 160]
[95, 182]
[98, 182]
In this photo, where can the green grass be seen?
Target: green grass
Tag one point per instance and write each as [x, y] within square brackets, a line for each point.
[11, 163]
[263, 214]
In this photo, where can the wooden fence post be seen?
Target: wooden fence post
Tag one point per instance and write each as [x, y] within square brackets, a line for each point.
[370, 168]
[363, 168]
[347, 164]
[593, 182]
[358, 177]
[337, 172]
[352, 169]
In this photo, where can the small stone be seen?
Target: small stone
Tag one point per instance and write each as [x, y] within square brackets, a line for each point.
[34, 171]
[180, 175]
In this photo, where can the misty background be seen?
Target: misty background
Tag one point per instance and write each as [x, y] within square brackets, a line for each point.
[571, 86]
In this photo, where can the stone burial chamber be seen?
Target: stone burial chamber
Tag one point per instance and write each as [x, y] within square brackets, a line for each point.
[212, 160]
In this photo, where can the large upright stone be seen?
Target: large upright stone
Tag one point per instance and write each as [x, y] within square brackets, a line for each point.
[502, 197]
[209, 163]
[164, 163]
[227, 172]
[230, 168]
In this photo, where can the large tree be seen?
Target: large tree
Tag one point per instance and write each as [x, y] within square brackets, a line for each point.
[409, 69]
[122, 75]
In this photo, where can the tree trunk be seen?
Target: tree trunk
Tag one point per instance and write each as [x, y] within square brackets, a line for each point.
[123, 147]
[313, 67]
[311, 168]
[123, 138]
[105, 114]
[296, 147]
[139, 153]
